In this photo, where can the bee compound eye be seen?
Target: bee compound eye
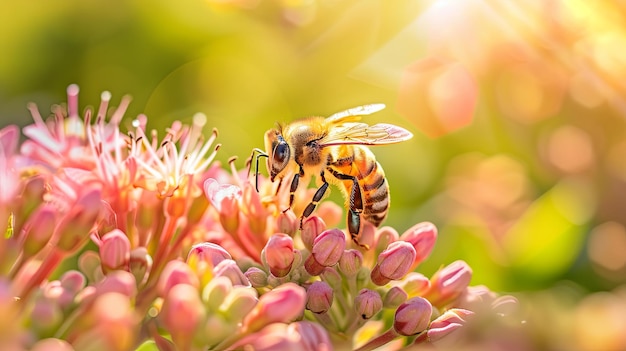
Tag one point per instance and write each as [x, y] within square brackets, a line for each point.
[281, 153]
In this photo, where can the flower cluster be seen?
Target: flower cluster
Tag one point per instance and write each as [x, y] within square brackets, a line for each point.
[113, 240]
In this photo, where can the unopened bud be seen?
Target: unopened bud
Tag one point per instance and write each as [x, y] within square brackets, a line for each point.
[238, 303]
[423, 237]
[208, 252]
[278, 254]
[415, 284]
[140, 264]
[121, 282]
[256, 276]
[73, 232]
[393, 263]
[413, 316]
[182, 313]
[351, 262]
[229, 269]
[174, 273]
[311, 228]
[448, 283]
[114, 251]
[39, 229]
[328, 247]
[280, 305]
[394, 297]
[287, 223]
[319, 297]
[445, 330]
[368, 303]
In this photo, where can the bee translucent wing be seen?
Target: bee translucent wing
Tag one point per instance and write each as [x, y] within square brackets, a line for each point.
[354, 113]
[364, 134]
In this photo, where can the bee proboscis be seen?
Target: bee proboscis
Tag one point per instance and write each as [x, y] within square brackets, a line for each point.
[336, 150]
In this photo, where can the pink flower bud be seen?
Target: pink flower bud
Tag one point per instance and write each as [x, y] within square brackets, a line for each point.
[423, 237]
[302, 336]
[445, 330]
[73, 231]
[319, 297]
[238, 303]
[230, 270]
[256, 276]
[121, 282]
[73, 281]
[415, 284]
[278, 254]
[412, 316]
[52, 345]
[448, 283]
[332, 277]
[313, 337]
[182, 313]
[89, 264]
[385, 236]
[367, 303]
[281, 305]
[393, 263]
[215, 292]
[114, 250]
[254, 209]
[328, 247]
[225, 199]
[109, 324]
[351, 262]
[174, 273]
[475, 298]
[505, 305]
[39, 229]
[208, 252]
[311, 228]
[394, 297]
[287, 223]
[46, 316]
[140, 264]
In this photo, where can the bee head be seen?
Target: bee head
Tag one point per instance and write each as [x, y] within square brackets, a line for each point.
[278, 151]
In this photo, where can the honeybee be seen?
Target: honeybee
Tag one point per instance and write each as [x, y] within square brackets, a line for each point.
[335, 149]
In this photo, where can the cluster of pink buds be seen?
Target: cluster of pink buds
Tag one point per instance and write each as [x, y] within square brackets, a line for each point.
[120, 241]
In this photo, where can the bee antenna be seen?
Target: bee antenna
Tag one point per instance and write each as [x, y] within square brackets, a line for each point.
[259, 153]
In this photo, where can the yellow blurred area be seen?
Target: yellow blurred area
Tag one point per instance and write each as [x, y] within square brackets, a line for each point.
[518, 107]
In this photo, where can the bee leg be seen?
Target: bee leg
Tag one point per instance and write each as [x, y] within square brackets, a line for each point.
[356, 206]
[293, 188]
[319, 194]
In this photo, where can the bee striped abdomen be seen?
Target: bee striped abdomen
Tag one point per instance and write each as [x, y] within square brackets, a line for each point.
[362, 164]
[375, 195]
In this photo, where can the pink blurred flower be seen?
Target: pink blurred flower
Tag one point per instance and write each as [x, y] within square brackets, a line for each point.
[438, 95]
[280, 305]
[448, 283]
[445, 330]
[303, 335]
[423, 237]
[182, 313]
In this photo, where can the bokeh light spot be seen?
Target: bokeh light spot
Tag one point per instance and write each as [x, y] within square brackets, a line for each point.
[607, 245]
[569, 149]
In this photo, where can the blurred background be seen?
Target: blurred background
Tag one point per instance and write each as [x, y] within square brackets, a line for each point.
[518, 107]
